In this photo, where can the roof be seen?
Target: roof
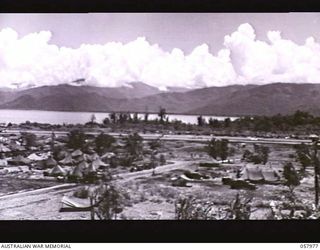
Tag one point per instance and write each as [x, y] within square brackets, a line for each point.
[17, 147]
[19, 160]
[67, 160]
[3, 162]
[92, 168]
[69, 204]
[270, 175]
[4, 149]
[76, 153]
[63, 154]
[94, 157]
[81, 158]
[260, 174]
[37, 157]
[51, 162]
[108, 155]
[254, 174]
[57, 170]
[83, 165]
[97, 163]
[77, 172]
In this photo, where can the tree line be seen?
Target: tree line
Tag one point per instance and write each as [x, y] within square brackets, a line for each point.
[264, 123]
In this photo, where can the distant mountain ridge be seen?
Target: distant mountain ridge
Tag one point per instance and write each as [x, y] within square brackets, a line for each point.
[233, 100]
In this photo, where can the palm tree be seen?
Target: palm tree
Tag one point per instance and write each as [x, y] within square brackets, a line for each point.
[162, 114]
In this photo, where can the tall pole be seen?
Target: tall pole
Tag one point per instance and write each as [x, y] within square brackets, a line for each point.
[316, 172]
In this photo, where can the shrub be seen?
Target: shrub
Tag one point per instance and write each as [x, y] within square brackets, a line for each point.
[82, 193]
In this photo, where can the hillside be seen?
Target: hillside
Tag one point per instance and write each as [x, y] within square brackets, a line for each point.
[231, 100]
[270, 99]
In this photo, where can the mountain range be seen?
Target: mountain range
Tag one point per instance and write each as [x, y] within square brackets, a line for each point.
[233, 100]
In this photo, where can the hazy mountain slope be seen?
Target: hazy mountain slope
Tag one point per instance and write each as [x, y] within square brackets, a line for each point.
[267, 100]
[77, 98]
[182, 102]
[233, 100]
[63, 102]
[138, 90]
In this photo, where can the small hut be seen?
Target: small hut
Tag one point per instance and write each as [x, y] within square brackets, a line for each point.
[92, 168]
[17, 148]
[62, 154]
[76, 153]
[77, 173]
[83, 165]
[67, 160]
[19, 160]
[3, 163]
[108, 155]
[58, 171]
[37, 157]
[4, 149]
[99, 164]
[94, 156]
[50, 162]
[82, 158]
[270, 176]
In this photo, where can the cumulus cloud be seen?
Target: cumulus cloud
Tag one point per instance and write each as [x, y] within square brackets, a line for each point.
[32, 60]
[277, 60]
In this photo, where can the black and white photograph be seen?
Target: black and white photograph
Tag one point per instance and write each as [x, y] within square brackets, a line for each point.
[159, 116]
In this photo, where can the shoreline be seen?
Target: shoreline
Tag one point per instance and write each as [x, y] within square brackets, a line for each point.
[131, 112]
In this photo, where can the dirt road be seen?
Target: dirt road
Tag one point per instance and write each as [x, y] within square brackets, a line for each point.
[158, 170]
[41, 204]
[44, 203]
[175, 137]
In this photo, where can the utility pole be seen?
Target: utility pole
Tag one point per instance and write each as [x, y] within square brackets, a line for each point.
[53, 137]
[315, 140]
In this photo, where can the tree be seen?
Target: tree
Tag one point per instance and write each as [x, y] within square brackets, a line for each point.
[262, 152]
[107, 202]
[29, 139]
[301, 118]
[303, 155]
[103, 142]
[93, 118]
[292, 180]
[200, 120]
[134, 144]
[53, 137]
[154, 144]
[106, 121]
[113, 117]
[247, 155]
[162, 160]
[214, 123]
[76, 139]
[153, 163]
[291, 176]
[227, 122]
[260, 155]
[162, 114]
[146, 117]
[123, 118]
[191, 209]
[135, 117]
[240, 208]
[218, 148]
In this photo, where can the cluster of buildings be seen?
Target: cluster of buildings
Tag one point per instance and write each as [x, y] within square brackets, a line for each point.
[68, 164]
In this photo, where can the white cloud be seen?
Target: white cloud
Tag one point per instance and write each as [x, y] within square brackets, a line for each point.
[278, 60]
[32, 61]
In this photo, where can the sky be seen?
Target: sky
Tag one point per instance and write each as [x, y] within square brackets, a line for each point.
[191, 50]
